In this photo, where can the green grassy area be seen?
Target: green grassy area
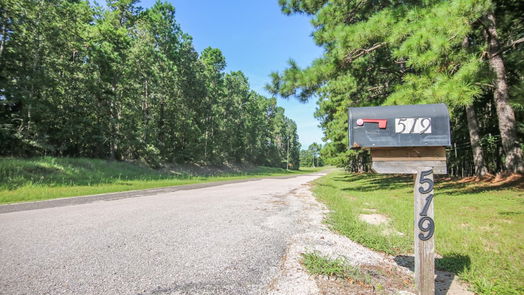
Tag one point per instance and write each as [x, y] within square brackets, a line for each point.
[317, 264]
[48, 178]
[479, 228]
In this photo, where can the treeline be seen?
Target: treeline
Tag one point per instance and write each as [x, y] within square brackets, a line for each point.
[121, 82]
[465, 53]
[311, 157]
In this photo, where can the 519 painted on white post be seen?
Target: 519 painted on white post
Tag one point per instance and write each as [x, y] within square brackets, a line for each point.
[413, 125]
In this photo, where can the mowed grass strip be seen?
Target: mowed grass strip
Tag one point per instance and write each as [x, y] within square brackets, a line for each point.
[479, 228]
[43, 178]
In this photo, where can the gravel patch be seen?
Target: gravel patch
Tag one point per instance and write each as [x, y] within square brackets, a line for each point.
[389, 277]
[374, 219]
[294, 279]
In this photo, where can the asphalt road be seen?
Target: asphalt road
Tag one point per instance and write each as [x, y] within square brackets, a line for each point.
[222, 239]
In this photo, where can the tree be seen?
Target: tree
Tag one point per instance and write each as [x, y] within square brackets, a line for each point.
[400, 53]
[214, 65]
[315, 149]
[123, 83]
[237, 94]
[110, 45]
[514, 161]
[42, 71]
[478, 154]
[312, 156]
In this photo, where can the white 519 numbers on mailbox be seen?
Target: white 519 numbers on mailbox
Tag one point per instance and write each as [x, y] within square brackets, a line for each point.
[413, 125]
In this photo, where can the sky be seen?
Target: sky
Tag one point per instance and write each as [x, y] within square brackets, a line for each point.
[257, 39]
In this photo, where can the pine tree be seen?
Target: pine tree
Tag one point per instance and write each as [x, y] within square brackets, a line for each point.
[123, 83]
[400, 53]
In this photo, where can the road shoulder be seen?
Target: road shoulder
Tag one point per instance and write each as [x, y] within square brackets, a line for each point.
[383, 273]
[70, 201]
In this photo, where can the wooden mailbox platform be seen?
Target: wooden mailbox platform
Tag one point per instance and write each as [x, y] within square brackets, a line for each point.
[406, 160]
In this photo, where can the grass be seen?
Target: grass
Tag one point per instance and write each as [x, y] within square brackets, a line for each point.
[479, 229]
[317, 264]
[44, 178]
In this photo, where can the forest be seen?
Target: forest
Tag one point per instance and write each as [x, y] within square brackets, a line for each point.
[310, 157]
[119, 82]
[467, 54]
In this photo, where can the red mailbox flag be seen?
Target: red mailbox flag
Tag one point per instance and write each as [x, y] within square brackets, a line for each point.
[382, 123]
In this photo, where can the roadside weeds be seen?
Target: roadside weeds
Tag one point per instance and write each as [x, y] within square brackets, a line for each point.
[320, 260]
[479, 226]
[336, 264]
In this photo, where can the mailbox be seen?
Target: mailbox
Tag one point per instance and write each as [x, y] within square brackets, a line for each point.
[402, 138]
[409, 139]
[399, 126]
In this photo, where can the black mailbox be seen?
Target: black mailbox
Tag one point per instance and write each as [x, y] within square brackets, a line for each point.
[399, 126]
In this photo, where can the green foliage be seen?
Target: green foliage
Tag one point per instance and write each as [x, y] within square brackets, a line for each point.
[152, 156]
[403, 52]
[479, 227]
[319, 265]
[311, 157]
[124, 83]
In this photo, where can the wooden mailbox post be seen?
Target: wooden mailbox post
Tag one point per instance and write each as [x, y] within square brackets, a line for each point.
[409, 139]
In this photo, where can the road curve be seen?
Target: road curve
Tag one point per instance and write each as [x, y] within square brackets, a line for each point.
[225, 239]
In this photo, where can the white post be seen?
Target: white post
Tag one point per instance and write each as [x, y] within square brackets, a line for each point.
[424, 232]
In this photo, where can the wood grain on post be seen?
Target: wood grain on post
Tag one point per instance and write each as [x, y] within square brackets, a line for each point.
[419, 153]
[406, 160]
[424, 232]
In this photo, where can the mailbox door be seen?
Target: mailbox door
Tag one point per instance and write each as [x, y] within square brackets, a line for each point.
[399, 126]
